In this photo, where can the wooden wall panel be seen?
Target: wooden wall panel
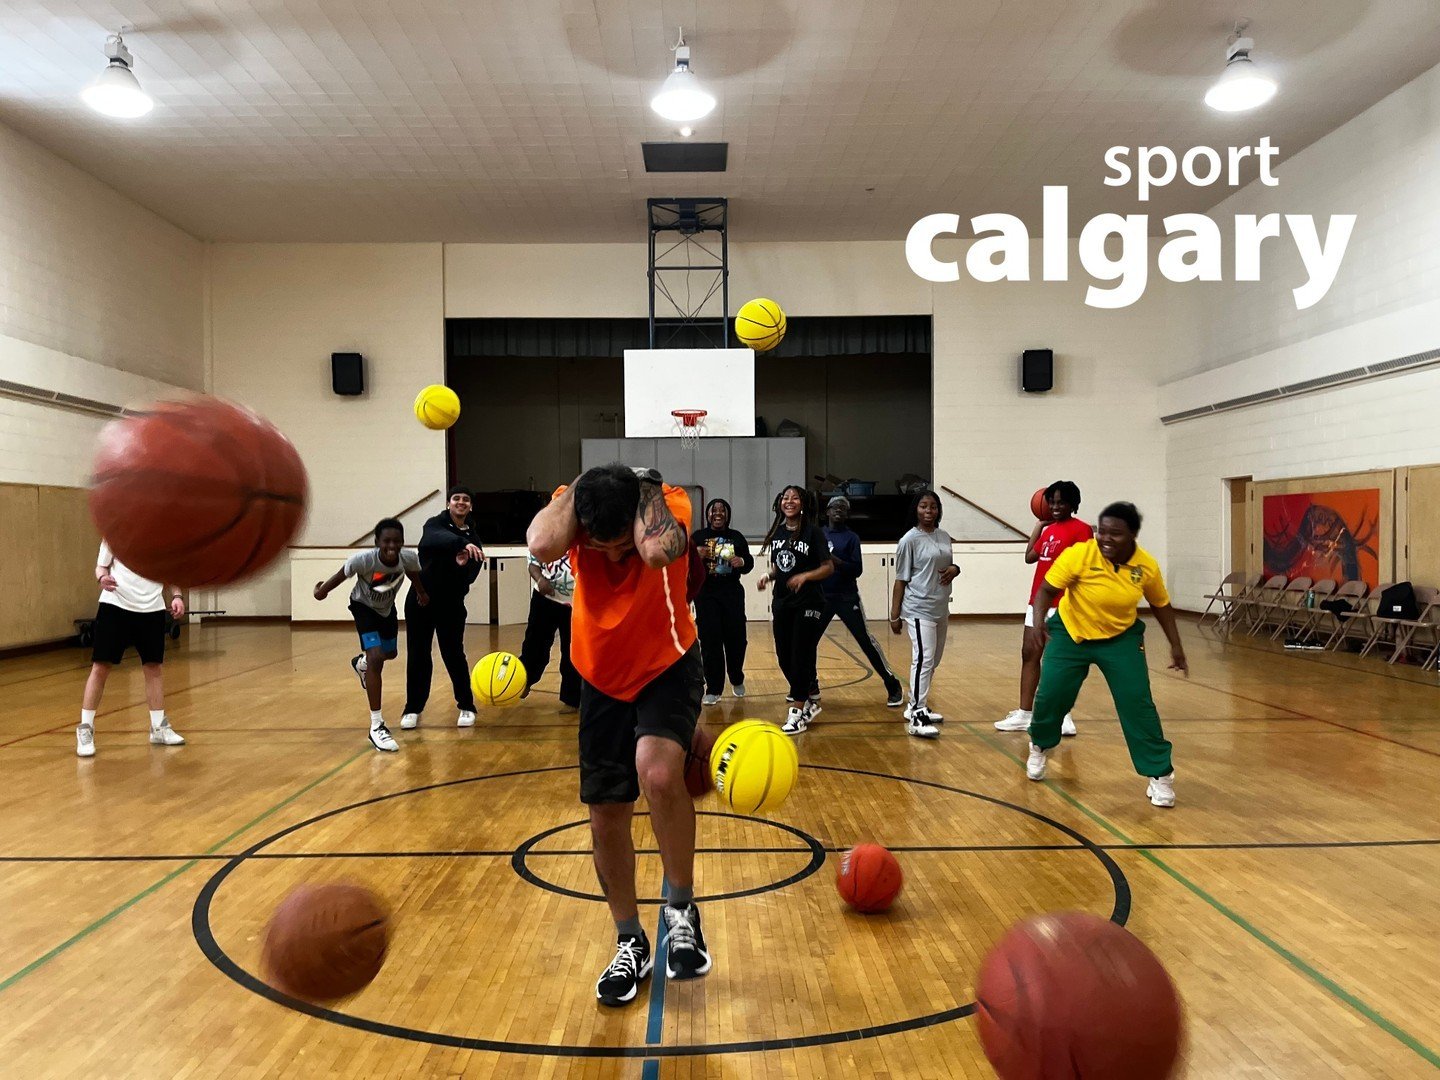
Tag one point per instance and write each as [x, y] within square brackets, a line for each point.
[49, 529]
[1383, 479]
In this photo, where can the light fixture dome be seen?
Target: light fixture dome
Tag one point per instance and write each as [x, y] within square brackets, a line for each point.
[115, 91]
[682, 98]
[1242, 86]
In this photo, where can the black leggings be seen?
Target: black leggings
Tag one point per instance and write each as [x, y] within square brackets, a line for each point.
[720, 618]
[852, 614]
[547, 618]
[798, 628]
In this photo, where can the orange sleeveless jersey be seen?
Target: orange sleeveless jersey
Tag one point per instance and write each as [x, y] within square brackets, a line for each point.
[629, 622]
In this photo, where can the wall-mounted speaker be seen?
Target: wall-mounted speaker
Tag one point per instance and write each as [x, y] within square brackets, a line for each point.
[1037, 370]
[347, 373]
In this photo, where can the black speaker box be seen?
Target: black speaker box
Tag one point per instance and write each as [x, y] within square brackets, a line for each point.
[1037, 370]
[347, 373]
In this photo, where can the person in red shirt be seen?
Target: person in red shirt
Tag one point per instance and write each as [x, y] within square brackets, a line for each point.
[633, 642]
[1047, 540]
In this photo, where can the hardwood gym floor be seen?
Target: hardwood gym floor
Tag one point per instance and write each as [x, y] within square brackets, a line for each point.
[1292, 893]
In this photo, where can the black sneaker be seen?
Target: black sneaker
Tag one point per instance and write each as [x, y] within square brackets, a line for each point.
[895, 696]
[685, 955]
[361, 667]
[620, 982]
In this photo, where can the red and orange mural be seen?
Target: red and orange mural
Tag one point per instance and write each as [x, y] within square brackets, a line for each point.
[1324, 534]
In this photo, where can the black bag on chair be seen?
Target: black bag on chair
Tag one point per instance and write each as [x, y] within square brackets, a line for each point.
[1337, 607]
[1398, 602]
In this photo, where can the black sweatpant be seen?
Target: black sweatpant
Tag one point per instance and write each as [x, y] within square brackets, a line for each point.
[797, 628]
[438, 619]
[720, 619]
[546, 618]
[852, 614]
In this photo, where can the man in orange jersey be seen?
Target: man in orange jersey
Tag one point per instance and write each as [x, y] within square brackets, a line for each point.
[632, 640]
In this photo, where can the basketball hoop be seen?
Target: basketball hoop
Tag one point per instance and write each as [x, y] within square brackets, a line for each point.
[689, 425]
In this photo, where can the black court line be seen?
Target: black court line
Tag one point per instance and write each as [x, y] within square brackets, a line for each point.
[914, 849]
[210, 947]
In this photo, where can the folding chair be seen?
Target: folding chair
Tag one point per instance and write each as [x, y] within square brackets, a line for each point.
[1232, 586]
[1357, 624]
[1353, 592]
[1291, 597]
[1427, 598]
[1301, 618]
[1266, 592]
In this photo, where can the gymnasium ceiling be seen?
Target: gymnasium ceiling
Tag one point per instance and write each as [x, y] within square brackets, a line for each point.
[502, 120]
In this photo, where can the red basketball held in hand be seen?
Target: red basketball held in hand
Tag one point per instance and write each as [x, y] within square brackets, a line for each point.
[1074, 995]
[1040, 506]
[326, 942]
[198, 492]
[869, 878]
[699, 780]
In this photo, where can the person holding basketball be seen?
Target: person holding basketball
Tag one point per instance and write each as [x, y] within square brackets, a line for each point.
[378, 572]
[451, 558]
[720, 602]
[1098, 585]
[799, 562]
[131, 613]
[1047, 540]
[633, 641]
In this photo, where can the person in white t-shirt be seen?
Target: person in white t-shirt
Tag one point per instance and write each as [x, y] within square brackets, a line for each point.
[131, 613]
[551, 599]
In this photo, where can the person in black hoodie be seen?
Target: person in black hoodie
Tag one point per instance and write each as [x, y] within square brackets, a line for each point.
[799, 561]
[720, 605]
[842, 595]
[450, 560]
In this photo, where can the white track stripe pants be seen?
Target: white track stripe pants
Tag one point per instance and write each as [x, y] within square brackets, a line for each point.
[927, 645]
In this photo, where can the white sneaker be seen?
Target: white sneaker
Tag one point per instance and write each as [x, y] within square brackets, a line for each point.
[739, 689]
[85, 740]
[410, 721]
[811, 709]
[710, 699]
[381, 739]
[1067, 726]
[917, 726]
[165, 735]
[1015, 720]
[361, 666]
[465, 719]
[1035, 765]
[796, 721]
[1161, 789]
[924, 715]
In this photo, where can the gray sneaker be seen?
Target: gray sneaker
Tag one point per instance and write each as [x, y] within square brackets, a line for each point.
[85, 741]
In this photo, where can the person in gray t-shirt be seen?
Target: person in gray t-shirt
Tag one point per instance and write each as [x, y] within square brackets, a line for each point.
[924, 570]
[378, 573]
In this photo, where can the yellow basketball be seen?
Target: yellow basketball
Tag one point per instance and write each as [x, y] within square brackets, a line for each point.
[755, 766]
[437, 407]
[760, 325]
[498, 679]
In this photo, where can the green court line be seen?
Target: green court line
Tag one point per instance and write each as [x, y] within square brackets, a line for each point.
[1325, 982]
[128, 904]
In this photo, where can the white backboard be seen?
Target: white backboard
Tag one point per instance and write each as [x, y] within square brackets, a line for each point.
[720, 381]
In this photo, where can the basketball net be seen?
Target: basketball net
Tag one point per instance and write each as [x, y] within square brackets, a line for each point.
[689, 425]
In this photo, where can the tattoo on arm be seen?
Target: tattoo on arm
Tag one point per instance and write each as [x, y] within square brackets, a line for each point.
[658, 524]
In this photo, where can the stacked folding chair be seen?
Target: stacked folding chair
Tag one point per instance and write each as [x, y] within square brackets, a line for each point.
[1300, 619]
[1402, 632]
[1228, 593]
[1247, 607]
[1282, 607]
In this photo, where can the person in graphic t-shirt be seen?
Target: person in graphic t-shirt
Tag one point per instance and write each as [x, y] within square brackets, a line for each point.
[552, 596]
[378, 572]
[633, 642]
[131, 613]
[720, 602]
[1047, 540]
[799, 562]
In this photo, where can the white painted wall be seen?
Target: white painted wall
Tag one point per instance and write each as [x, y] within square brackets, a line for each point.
[1385, 303]
[277, 313]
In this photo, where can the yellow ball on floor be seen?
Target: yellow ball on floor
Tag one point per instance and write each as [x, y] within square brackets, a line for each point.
[755, 766]
[760, 325]
[498, 679]
[437, 407]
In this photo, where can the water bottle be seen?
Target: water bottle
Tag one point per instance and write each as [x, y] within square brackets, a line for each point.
[1309, 598]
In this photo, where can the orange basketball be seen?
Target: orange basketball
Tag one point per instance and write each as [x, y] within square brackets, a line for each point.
[869, 878]
[326, 942]
[1075, 995]
[198, 492]
[699, 780]
[1040, 506]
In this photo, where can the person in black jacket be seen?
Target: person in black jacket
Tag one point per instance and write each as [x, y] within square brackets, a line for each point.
[450, 560]
[799, 561]
[842, 595]
[720, 605]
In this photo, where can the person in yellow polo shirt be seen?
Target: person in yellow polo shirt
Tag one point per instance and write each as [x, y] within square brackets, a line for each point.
[1104, 581]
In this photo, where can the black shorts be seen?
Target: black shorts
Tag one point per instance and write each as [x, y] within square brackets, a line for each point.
[668, 706]
[117, 630]
[376, 631]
